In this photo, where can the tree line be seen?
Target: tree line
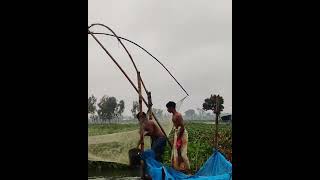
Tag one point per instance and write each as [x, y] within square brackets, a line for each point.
[110, 110]
[107, 109]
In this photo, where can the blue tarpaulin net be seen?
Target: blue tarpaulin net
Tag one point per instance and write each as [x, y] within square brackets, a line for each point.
[216, 168]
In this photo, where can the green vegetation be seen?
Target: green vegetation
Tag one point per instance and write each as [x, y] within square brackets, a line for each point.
[102, 129]
[200, 146]
[99, 149]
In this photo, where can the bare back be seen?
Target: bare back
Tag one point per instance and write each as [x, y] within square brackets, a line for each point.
[152, 129]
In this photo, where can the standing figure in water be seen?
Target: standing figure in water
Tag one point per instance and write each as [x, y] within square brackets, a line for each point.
[179, 158]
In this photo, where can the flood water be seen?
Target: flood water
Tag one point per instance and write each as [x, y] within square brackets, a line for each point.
[114, 178]
[114, 174]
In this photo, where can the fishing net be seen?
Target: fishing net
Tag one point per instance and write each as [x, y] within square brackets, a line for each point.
[115, 147]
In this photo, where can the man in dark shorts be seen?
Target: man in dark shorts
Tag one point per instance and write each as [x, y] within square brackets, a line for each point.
[158, 138]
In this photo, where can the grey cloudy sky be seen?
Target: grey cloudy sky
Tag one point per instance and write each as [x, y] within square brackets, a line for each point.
[193, 39]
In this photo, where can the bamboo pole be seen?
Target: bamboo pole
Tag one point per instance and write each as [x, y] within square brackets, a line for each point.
[149, 110]
[149, 104]
[141, 125]
[144, 87]
[135, 67]
[118, 37]
[133, 85]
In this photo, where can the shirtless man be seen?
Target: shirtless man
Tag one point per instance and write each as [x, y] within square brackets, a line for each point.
[179, 156]
[158, 138]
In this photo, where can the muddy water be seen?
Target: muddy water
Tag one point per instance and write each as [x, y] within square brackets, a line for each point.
[114, 178]
[114, 174]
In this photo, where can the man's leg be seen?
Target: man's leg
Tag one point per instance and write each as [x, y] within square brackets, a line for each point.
[158, 148]
[184, 150]
[161, 149]
[185, 158]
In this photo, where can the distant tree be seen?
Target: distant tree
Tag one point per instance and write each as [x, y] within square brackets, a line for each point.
[92, 108]
[92, 104]
[158, 113]
[214, 103]
[95, 118]
[120, 109]
[107, 108]
[134, 110]
[208, 116]
[201, 114]
[190, 114]
[166, 116]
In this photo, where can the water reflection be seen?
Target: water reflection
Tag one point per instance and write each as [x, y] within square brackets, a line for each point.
[114, 174]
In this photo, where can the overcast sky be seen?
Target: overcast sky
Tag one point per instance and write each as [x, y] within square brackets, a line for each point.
[193, 39]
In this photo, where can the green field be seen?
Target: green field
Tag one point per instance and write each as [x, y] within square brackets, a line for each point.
[200, 146]
[102, 129]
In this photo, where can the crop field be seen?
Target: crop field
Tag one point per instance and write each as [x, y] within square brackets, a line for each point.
[200, 146]
[200, 143]
[102, 129]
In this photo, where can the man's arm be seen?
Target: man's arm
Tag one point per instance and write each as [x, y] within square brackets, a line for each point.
[141, 134]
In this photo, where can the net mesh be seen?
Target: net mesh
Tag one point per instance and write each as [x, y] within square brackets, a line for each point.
[115, 147]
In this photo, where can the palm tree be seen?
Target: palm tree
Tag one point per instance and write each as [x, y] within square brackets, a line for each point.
[214, 103]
